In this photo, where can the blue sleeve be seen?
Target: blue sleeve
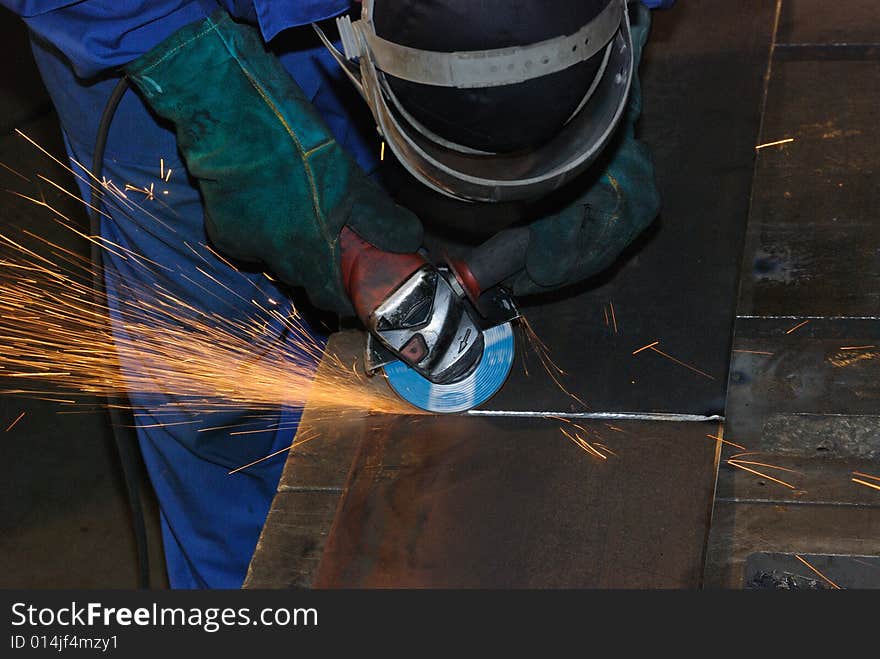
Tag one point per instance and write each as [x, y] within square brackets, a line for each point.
[96, 35]
[276, 15]
[658, 4]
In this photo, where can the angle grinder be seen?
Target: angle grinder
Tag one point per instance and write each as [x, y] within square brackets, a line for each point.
[442, 332]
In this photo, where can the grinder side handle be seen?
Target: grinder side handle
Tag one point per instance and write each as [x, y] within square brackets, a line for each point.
[500, 257]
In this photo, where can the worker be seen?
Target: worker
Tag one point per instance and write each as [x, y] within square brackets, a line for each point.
[274, 154]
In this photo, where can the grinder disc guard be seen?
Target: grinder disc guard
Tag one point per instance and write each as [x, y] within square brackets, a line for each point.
[476, 388]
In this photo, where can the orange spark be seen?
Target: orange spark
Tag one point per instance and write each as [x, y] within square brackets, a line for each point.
[725, 441]
[224, 261]
[650, 345]
[543, 352]
[804, 561]
[866, 483]
[17, 419]
[799, 325]
[272, 428]
[272, 455]
[605, 448]
[787, 140]
[613, 317]
[764, 464]
[583, 444]
[677, 361]
[864, 475]
[857, 347]
[755, 352]
[739, 465]
[53, 327]
[19, 175]
[164, 425]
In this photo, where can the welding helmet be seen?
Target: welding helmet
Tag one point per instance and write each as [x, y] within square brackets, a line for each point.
[497, 100]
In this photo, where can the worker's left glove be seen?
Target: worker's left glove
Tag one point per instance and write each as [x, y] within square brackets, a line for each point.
[277, 187]
[618, 202]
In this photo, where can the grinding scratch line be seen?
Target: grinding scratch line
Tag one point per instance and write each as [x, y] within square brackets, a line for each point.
[832, 44]
[621, 416]
[796, 502]
[304, 488]
[748, 317]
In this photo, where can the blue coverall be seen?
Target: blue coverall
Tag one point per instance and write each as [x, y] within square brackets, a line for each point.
[210, 520]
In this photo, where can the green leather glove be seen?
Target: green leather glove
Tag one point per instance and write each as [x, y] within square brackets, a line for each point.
[591, 231]
[277, 187]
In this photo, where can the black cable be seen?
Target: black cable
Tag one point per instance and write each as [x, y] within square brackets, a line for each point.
[126, 445]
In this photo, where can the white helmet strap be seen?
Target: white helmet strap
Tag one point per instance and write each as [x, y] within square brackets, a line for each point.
[478, 68]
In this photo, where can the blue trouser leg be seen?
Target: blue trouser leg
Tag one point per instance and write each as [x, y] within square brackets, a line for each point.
[210, 520]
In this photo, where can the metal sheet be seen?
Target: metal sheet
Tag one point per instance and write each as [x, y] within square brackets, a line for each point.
[813, 238]
[807, 401]
[804, 376]
[702, 68]
[313, 482]
[510, 502]
[740, 530]
[813, 480]
[812, 370]
[821, 22]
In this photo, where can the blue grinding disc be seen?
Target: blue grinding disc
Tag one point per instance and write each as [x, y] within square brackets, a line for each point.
[478, 387]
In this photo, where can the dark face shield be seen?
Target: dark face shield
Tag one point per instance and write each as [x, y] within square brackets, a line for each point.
[376, 66]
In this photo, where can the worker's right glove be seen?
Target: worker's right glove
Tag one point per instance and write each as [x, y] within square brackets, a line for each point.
[615, 206]
[277, 187]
